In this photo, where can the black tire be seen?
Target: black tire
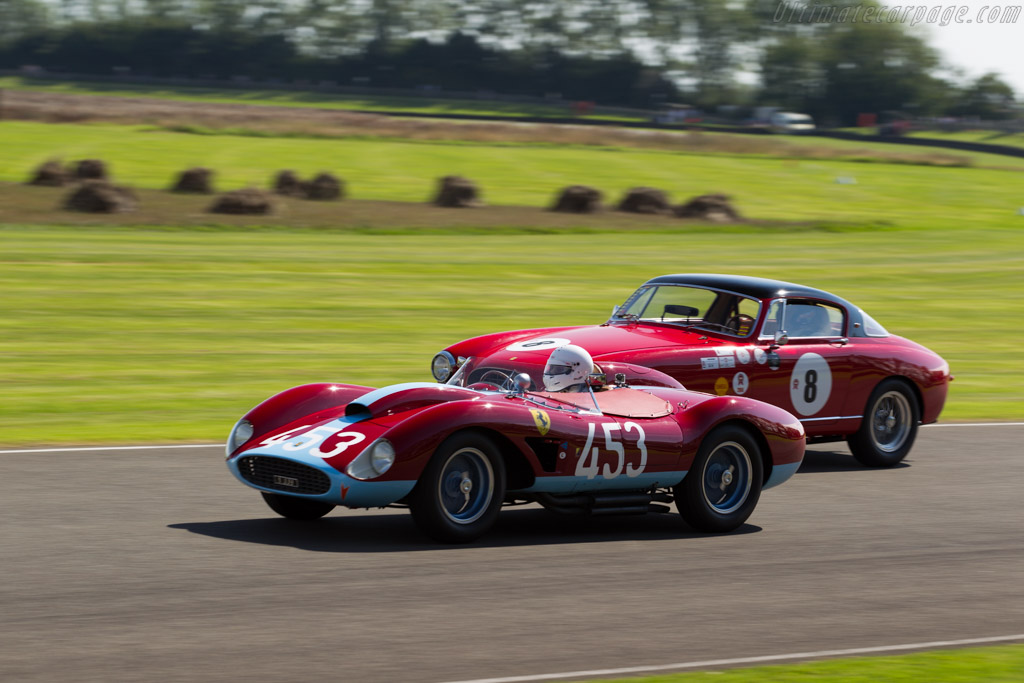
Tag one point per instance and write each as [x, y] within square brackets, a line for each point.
[461, 490]
[889, 426]
[722, 488]
[297, 508]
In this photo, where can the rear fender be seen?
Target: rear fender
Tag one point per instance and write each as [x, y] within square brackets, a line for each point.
[780, 431]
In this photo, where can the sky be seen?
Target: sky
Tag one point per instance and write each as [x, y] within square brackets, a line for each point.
[979, 47]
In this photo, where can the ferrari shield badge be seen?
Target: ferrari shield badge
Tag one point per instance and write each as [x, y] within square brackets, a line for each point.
[542, 420]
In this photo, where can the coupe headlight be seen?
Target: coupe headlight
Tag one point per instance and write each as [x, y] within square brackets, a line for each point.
[442, 366]
[382, 456]
[241, 433]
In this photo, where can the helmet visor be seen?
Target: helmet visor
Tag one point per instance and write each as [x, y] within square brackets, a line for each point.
[558, 370]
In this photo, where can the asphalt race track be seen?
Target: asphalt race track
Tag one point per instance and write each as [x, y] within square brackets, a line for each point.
[156, 565]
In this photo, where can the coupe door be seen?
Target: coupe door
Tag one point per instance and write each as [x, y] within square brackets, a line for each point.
[810, 375]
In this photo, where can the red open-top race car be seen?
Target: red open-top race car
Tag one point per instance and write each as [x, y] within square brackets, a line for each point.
[799, 348]
[623, 440]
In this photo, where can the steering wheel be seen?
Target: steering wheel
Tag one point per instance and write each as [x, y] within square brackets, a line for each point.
[497, 378]
[741, 324]
[483, 386]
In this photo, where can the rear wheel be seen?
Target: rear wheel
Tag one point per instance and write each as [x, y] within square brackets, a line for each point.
[461, 490]
[722, 488]
[297, 508]
[889, 427]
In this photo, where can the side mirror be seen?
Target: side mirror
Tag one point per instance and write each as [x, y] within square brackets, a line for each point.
[615, 309]
[781, 339]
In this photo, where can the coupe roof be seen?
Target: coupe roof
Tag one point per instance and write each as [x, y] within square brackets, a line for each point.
[758, 287]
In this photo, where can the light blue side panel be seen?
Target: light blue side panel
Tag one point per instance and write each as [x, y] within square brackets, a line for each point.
[781, 473]
[570, 484]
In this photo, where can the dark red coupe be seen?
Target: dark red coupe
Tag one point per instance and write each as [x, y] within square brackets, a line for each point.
[802, 349]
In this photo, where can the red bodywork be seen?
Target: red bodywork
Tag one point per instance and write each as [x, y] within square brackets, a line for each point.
[712, 361]
[658, 425]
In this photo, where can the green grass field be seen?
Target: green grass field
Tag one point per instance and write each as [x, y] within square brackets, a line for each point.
[1003, 664]
[904, 196]
[118, 332]
[135, 334]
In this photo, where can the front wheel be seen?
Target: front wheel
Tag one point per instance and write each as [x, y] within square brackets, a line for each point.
[297, 508]
[889, 427]
[461, 490]
[723, 486]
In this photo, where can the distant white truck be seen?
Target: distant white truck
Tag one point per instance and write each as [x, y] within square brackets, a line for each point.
[790, 122]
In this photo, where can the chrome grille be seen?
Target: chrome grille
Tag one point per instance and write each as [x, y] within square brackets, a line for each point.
[283, 475]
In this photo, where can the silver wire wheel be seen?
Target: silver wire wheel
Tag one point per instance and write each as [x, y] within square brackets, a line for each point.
[889, 426]
[890, 421]
[726, 477]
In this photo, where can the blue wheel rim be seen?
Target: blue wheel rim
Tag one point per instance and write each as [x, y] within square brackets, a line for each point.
[726, 477]
[466, 485]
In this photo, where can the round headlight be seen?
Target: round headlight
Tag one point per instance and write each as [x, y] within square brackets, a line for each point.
[241, 433]
[382, 457]
[442, 365]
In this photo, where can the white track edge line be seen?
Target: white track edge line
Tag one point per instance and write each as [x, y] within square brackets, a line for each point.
[748, 660]
[217, 445]
[978, 424]
[113, 448]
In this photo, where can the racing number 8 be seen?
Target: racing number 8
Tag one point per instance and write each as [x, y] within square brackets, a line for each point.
[810, 386]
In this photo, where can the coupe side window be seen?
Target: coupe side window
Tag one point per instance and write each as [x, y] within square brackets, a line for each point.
[813, 319]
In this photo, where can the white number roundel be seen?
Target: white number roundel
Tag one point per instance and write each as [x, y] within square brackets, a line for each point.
[810, 384]
[539, 344]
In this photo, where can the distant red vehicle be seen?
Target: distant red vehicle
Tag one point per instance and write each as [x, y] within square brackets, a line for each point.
[455, 453]
[799, 348]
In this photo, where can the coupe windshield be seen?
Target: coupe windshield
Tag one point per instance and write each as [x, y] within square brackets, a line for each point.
[723, 312]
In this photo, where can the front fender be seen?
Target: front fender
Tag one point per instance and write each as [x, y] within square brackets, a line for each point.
[484, 345]
[416, 437]
[315, 401]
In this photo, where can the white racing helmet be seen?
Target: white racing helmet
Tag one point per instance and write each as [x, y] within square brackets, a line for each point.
[567, 366]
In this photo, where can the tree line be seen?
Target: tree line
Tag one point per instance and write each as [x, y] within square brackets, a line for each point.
[642, 53]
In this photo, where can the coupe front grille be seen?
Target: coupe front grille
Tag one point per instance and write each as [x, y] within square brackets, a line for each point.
[283, 475]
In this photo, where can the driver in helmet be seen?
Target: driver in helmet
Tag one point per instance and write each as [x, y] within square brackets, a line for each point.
[567, 369]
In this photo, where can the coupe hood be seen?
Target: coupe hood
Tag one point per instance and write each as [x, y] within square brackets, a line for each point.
[601, 340]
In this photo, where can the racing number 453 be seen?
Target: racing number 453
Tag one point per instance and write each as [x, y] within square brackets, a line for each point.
[587, 465]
